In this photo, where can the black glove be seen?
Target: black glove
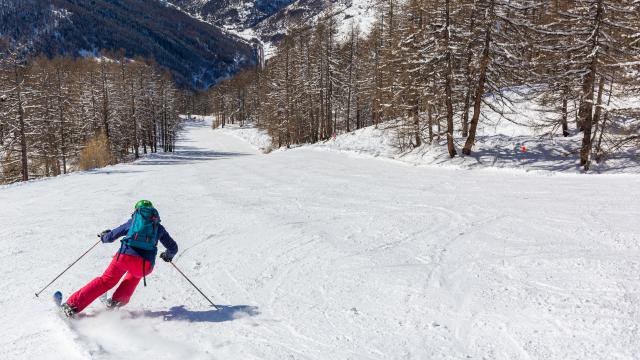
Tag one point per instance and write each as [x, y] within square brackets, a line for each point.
[102, 234]
[166, 257]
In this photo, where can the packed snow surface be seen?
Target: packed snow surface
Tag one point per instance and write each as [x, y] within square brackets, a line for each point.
[321, 255]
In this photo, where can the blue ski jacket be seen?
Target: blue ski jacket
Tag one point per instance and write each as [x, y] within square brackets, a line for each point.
[149, 255]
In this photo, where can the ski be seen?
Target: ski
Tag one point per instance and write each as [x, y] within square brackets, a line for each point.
[57, 298]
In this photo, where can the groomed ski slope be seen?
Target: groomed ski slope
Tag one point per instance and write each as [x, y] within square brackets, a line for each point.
[322, 255]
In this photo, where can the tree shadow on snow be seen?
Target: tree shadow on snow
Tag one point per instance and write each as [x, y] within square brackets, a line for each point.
[109, 171]
[555, 155]
[186, 155]
[180, 313]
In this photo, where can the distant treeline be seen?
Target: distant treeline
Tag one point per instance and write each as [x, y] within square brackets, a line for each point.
[428, 67]
[59, 115]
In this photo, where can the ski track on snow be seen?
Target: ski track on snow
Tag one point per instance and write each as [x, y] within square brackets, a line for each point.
[319, 255]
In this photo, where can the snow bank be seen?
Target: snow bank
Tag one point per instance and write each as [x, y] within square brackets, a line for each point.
[501, 142]
[258, 138]
[490, 151]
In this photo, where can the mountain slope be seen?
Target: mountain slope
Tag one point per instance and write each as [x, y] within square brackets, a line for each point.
[197, 53]
[235, 14]
[271, 20]
[318, 255]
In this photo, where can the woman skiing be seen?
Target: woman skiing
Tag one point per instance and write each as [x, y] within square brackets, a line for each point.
[135, 258]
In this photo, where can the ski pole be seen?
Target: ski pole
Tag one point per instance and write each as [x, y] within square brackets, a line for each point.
[69, 267]
[194, 285]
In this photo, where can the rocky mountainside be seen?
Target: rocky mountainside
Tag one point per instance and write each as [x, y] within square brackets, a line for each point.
[197, 53]
[234, 14]
[271, 20]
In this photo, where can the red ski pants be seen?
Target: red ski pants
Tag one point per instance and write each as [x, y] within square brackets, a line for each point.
[120, 265]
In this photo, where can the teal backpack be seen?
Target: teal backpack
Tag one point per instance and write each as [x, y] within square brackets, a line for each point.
[143, 233]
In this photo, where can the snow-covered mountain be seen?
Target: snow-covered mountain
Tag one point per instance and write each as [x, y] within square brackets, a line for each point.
[271, 20]
[237, 14]
[197, 53]
[185, 36]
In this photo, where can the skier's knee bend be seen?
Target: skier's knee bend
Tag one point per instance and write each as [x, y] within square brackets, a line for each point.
[108, 282]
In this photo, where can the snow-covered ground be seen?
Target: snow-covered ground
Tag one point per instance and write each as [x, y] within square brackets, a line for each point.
[320, 255]
[499, 145]
[500, 141]
[541, 154]
[257, 138]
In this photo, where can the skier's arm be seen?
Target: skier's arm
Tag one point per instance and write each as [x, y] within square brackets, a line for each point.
[117, 232]
[167, 242]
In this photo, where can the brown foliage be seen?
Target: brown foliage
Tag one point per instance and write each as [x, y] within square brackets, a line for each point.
[95, 153]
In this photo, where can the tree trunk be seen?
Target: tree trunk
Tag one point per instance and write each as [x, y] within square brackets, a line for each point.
[23, 138]
[477, 101]
[105, 106]
[349, 82]
[62, 127]
[430, 117]
[416, 125]
[597, 112]
[135, 121]
[469, 78]
[449, 80]
[21, 119]
[599, 153]
[586, 108]
[565, 114]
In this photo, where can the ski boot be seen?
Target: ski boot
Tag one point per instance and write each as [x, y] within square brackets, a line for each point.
[110, 303]
[68, 310]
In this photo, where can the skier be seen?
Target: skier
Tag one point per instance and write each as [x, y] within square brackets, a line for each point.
[135, 258]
